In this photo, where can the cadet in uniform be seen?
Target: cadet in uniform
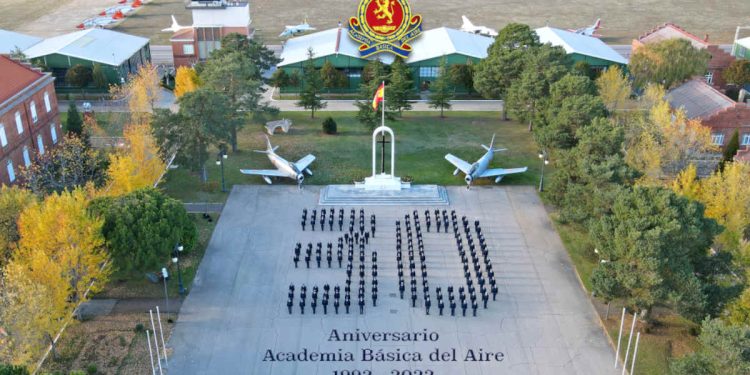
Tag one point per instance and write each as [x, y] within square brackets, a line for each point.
[312, 220]
[329, 254]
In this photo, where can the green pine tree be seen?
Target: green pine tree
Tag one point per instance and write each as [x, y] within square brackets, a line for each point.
[97, 75]
[441, 92]
[310, 97]
[400, 88]
[731, 149]
[374, 73]
[74, 123]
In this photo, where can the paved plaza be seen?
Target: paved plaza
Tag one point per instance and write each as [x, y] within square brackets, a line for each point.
[235, 319]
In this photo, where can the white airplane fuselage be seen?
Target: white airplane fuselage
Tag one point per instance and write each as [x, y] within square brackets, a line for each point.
[286, 167]
[479, 167]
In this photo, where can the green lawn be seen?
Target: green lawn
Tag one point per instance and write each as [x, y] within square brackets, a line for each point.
[422, 140]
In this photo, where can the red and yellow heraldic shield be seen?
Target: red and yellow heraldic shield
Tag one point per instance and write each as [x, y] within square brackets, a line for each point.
[384, 26]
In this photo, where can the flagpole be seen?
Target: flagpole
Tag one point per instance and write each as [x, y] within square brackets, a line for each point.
[382, 132]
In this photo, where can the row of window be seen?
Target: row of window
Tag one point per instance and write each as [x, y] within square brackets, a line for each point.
[19, 120]
[718, 139]
[26, 154]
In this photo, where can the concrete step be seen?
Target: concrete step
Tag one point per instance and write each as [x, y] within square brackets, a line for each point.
[416, 195]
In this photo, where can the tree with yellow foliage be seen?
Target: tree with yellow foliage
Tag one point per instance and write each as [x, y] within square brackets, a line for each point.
[686, 183]
[665, 141]
[186, 80]
[614, 87]
[60, 258]
[27, 316]
[136, 166]
[13, 200]
[61, 246]
[726, 195]
[141, 91]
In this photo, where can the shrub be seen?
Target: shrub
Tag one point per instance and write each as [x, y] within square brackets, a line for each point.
[139, 328]
[91, 369]
[329, 126]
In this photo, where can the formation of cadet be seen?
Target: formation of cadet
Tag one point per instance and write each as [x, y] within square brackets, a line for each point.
[479, 283]
[350, 239]
[328, 215]
[477, 267]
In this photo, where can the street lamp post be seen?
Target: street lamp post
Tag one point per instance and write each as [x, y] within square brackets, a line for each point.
[176, 260]
[165, 276]
[545, 160]
[220, 162]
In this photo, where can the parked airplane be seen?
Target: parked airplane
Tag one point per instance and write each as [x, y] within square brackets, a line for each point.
[297, 29]
[590, 30]
[295, 171]
[175, 26]
[95, 22]
[469, 27]
[479, 168]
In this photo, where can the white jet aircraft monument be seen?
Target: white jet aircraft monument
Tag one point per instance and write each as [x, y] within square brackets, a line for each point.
[480, 168]
[295, 171]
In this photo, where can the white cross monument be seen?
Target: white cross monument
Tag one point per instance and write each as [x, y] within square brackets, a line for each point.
[383, 181]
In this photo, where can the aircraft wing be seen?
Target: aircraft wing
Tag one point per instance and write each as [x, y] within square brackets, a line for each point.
[458, 163]
[502, 171]
[264, 172]
[305, 162]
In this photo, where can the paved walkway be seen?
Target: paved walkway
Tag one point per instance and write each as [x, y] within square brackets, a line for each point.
[204, 207]
[167, 100]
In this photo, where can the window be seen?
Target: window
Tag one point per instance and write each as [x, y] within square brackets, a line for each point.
[53, 133]
[428, 71]
[19, 123]
[717, 139]
[11, 172]
[745, 139]
[3, 137]
[32, 107]
[40, 144]
[26, 156]
[47, 106]
[188, 49]
[709, 78]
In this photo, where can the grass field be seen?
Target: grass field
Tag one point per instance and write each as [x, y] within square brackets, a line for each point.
[422, 139]
[621, 21]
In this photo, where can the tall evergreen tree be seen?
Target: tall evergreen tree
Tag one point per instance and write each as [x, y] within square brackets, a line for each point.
[74, 122]
[731, 149]
[441, 92]
[505, 61]
[374, 73]
[312, 85]
[400, 88]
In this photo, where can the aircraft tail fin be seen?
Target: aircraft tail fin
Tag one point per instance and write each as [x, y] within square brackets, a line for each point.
[466, 23]
[491, 147]
[597, 24]
[270, 149]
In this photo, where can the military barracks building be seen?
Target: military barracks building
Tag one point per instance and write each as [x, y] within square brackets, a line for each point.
[118, 54]
[29, 120]
[428, 49]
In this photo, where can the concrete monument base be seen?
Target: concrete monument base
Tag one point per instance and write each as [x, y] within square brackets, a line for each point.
[405, 195]
[382, 181]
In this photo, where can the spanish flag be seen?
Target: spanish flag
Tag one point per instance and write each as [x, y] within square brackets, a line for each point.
[379, 96]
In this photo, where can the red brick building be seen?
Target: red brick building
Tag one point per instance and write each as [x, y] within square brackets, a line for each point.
[715, 110]
[212, 20]
[29, 119]
[720, 60]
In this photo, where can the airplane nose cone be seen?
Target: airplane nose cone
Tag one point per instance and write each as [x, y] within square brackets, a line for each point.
[468, 179]
[300, 178]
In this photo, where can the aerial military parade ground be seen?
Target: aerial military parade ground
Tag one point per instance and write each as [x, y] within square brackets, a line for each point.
[374, 187]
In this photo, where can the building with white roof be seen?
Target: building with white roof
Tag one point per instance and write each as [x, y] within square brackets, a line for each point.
[11, 41]
[581, 48]
[335, 46]
[118, 54]
[741, 48]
